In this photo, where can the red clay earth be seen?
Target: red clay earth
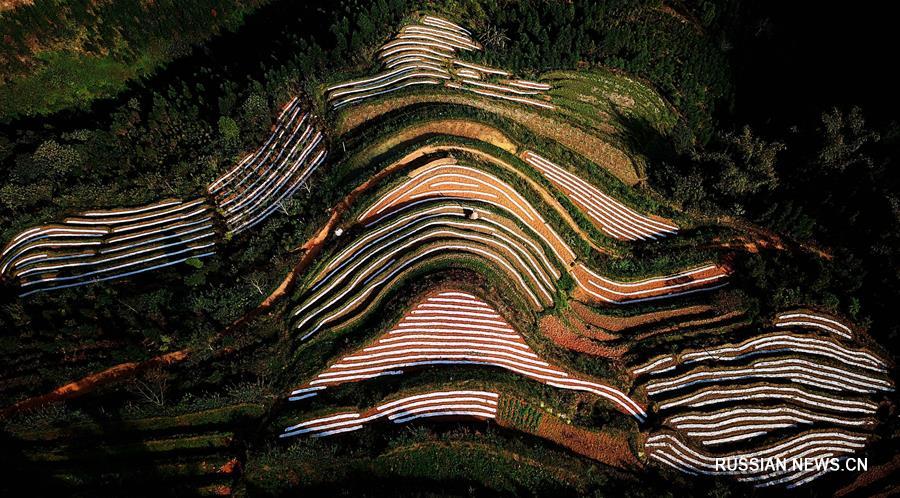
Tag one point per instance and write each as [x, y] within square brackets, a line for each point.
[601, 446]
[622, 323]
[554, 329]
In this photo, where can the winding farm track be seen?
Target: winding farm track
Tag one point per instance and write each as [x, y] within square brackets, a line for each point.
[454, 327]
[309, 250]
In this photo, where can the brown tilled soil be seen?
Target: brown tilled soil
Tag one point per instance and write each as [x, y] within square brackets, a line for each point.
[648, 289]
[594, 148]
[545, 196]
[883, 474]
[621, 323]
[456, 127]
[579, 326]
[612, 450]
[689, 324]
[555, 330]
[12, 4]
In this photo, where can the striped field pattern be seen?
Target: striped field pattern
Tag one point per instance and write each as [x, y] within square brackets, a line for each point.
[425, 54]
[254, 188]
[813, 320]
[604, 290]
[783, 393]
[446, 179]
[403, 241]
[446, 208]
[104, 245]
[436, 404]
[671, 450]
[452, 328]
[611, 216]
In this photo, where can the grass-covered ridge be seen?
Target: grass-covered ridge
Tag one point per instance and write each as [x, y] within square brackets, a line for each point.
[56, 57]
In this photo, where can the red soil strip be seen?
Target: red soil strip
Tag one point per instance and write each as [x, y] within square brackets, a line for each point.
[594, 288]
[689, 324]
[762, 238]
[587, 330]
[601, 446]
[230, 466]
[621, 323]
[555, 330]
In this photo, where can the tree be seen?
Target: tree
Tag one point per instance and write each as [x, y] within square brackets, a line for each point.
[843, 138]
[747, 163]
[229, 131]
[55, 159]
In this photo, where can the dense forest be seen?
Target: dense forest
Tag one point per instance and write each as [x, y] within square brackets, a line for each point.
[783, 130]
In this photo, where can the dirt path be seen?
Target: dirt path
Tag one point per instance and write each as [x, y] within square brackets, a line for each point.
[882, 473]
[93, 381]
[592, 147]
[758, 238]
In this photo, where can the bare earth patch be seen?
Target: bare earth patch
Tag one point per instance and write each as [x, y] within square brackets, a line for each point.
[600, 446]
[620, 323]
[594, 148]
[554, 329]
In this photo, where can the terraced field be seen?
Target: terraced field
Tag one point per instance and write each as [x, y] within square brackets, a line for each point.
[479, 269]
[111, 244]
